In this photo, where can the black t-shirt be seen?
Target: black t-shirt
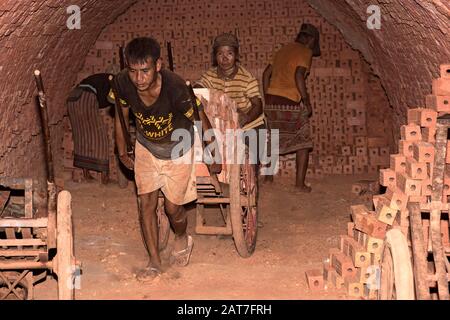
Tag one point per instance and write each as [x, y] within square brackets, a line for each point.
[155, 124]
[100, 83]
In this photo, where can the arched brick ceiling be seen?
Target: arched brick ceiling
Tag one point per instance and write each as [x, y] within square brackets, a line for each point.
[406, 52]
[34, 34]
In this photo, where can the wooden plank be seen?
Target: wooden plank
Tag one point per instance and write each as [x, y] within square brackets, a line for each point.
[28, 198]
[10, 233]
[24, 223]
[419, 253]
[4, 196]
[22, 242]
[6, 265]
[213, 200]
[13, 183]
[435, 216]
[22, 253]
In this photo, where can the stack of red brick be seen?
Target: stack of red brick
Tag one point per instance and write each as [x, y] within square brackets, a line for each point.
[345, 142]
[354, 265]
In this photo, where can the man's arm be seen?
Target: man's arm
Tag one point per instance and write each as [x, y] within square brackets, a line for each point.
[120, 138]
[300, 80]
[255, 111]
[266, 77]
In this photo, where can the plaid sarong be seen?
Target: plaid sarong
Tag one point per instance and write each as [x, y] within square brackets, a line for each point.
[91, 148]
[293, 124]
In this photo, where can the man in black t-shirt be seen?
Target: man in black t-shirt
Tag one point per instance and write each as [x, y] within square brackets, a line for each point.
[160, 102]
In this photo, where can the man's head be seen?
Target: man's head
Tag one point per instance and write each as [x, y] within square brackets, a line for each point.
[310, 36]
[225, 51]
[143, 58]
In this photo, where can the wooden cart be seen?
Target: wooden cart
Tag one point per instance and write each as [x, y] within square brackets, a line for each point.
[416, 265]
[29, 246]
[32, 246]
[234, 197]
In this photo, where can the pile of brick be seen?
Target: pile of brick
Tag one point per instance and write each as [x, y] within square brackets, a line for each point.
[345, 142]
[355, 265]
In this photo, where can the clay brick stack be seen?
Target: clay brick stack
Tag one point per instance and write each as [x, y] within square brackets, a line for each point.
[342, 91]
[408, 179]
[223, 114]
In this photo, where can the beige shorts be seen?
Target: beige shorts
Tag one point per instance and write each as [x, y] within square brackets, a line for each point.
[176, 178]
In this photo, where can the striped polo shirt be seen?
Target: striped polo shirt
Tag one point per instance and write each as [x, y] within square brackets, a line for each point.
[241, 88]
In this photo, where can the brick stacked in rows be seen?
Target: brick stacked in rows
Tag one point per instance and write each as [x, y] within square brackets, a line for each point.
[408, 179]
[340, 83]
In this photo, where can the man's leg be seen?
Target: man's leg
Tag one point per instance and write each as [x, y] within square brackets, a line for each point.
[104, 177]
[268, 151]
[301, 167]
[149, 226]
[87, 175]
[178, 220]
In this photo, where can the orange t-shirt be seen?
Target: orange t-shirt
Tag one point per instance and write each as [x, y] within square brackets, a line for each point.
[284, 64]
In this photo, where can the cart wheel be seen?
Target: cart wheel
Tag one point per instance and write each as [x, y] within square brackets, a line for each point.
[23, 290]
[121, 178]
[397, 282]
[244, 206]
[65, 260]
[163, 225]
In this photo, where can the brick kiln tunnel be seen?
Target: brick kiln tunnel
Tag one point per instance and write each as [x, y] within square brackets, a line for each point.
[361, 86]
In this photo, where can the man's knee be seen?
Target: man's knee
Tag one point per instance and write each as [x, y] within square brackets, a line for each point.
[176, 213]
[148, 202]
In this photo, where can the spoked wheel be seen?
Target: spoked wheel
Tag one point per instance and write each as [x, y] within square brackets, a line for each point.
[397, 282]
[15, 286]
[244, 206]
[65, 266]
[163, 225]
[121, 177]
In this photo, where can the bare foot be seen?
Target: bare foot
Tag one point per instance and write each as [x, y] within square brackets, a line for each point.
[104, 178]
[148, 274]
[303, 189]
[268, 179]
[87, 175]
[181, 258]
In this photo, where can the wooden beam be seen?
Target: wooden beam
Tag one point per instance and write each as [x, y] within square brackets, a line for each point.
[419, 253]
[24, 223]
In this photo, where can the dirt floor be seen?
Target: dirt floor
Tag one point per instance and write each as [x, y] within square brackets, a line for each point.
[296, 231]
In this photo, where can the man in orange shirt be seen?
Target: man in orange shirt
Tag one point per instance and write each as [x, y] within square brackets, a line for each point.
[284, 84]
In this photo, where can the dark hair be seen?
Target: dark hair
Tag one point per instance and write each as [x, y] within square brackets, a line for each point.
[139, 50]
[303, 37]
[214, 53]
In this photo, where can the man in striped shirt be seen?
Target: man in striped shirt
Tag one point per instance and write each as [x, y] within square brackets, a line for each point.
[238, 83]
